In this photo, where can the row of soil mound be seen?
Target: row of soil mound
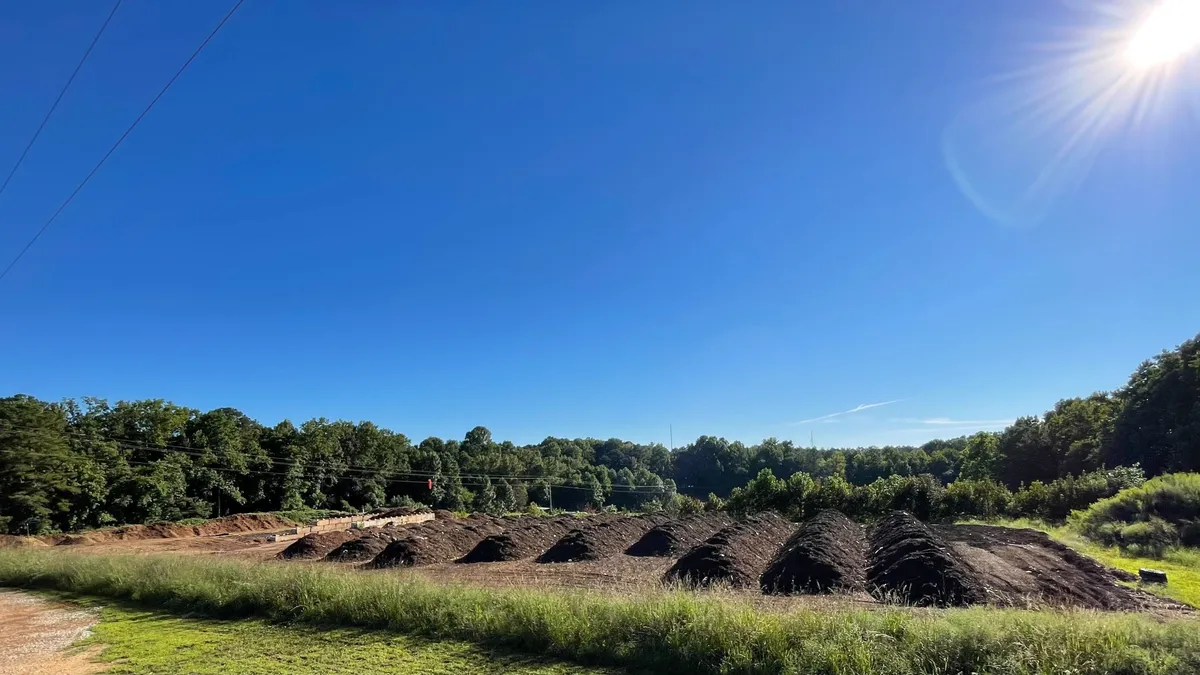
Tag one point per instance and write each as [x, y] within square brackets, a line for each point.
[826, 553]
[529, 537]
[603, 540]
[677, 537]
[366, 545]
[911, 564]
[317, 545]
[736, 556]
[439, 540]
[243, 522]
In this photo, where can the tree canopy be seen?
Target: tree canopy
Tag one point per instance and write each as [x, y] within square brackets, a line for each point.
[85, 463]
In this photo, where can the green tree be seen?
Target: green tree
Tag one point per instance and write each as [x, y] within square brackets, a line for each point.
[1158, 425]
[38, 472]
[981, 456]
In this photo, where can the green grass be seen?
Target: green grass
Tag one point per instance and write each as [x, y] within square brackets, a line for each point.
[139, 641]
[1181, 565]
[668, 632]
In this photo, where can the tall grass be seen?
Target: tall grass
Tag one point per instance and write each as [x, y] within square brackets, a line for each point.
[668, 632]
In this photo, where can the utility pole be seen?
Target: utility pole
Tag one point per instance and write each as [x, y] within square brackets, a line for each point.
[672, 437]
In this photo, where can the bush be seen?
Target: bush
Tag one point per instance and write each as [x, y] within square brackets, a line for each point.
[1152, 537]
[1172, 499]
[983, 498]
[714, 503]
[1054, 501]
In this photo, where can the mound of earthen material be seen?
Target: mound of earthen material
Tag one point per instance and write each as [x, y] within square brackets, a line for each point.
[525, 539]
[676, 537]
[317, 545]
[1023, 567]
[604, 540]
[735, 556]
[14, 541]
[910, 564]
[826, 553]
[365, 546]
[243, 522]
[438, 541]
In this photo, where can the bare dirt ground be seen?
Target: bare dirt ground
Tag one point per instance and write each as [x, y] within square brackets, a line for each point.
[36, 636]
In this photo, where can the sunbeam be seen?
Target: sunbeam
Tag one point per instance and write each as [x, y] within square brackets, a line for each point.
[1032, 141]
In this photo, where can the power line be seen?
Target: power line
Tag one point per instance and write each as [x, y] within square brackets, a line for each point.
[63, 92]
[121, 140]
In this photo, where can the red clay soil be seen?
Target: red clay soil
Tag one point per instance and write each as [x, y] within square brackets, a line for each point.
[317, 545]
[736, 556]
[13, 541]
[827, 553]
[1025, 567]
[246, 522]
[525, 539]
[910, 564]
[437, 541]
[604, 540]
[677, 537]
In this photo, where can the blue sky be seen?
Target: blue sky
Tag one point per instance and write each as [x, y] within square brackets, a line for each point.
[586, 219]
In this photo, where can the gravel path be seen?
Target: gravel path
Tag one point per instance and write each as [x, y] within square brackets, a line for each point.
[36, 634]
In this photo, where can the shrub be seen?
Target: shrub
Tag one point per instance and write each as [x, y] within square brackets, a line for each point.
[714, 503]
[1054, 501]
[1172, 499]
[1152, 537]
[984, 498]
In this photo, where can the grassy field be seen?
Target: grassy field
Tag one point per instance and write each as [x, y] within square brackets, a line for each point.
[1181, 565]
[140, 641]
[660, 632]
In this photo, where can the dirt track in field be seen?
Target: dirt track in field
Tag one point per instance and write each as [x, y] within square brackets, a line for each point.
[36, 637]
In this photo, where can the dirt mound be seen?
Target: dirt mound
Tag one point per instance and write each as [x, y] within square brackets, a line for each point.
[1023, 566]
[365, 546]
[317, 545]
[527, 538]
[735, 556]
[678, 536]
[244, 522]
[601, 541]
[438, 541]
[909, 563]
[827, 553]
[14, 541]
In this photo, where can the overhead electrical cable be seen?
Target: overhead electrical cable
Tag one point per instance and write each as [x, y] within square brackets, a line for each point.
[61, 93]
[120, 140]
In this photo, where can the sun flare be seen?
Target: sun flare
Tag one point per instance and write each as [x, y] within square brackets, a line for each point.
[1170, 31]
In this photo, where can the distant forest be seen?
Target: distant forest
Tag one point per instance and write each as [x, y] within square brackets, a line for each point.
[77, 464]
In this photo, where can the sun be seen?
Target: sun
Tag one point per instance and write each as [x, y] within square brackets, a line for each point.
[1169, 32]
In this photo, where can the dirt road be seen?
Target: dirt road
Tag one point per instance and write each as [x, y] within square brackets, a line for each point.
[36, 636]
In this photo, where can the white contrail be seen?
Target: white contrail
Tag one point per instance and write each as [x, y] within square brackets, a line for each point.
[865, 406]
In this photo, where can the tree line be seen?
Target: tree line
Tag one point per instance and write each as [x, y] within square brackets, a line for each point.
[75, 464]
